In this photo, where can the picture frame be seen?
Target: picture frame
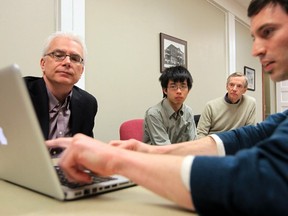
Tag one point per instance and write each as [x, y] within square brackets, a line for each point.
[250, 73]
[173, 52]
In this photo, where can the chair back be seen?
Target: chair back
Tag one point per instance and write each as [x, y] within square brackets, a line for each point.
[132, 129]
[196, 119]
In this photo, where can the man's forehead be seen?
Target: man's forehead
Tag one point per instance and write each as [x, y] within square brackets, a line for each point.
[237, 79]
[265, 17]
[64, 44]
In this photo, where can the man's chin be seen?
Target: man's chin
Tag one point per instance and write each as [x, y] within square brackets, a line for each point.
[64, 80]
[278, 77]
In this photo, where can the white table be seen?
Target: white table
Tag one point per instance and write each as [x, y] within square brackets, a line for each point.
[132, 201]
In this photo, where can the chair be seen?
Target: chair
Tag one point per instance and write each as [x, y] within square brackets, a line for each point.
[196, 119]
[132, 129]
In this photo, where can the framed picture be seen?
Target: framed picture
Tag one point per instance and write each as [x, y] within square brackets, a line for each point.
[173, 52]
[250, 73]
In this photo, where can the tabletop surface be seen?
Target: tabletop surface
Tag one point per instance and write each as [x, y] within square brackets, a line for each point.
[134, 201]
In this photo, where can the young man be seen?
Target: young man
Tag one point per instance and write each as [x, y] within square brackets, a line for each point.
[171, 121]
[62, 108]
[229, 112]
[250, 180]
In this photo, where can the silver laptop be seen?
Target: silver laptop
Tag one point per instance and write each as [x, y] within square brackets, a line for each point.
[24, 158]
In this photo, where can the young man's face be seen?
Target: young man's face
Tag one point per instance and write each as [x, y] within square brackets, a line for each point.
[269, 28]
[176, 93]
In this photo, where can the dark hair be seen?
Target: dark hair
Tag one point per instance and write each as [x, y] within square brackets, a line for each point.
[256, 6]
[176, 74]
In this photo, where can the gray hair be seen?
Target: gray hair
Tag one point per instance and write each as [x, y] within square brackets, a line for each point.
[59, 34]
[238, 74]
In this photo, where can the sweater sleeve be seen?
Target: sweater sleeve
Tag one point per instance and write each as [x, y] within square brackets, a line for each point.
[252, 182]
[248, 136]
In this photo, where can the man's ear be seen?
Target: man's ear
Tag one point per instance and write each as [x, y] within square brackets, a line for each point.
[164, 91]
[244, 91]
[83, 67]
[42, 64]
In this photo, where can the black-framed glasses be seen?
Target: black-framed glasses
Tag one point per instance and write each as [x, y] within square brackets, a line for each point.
[176, 87]
[61, 55]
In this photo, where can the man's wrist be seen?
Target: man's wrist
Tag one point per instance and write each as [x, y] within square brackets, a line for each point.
[186, 170]
[219, 145]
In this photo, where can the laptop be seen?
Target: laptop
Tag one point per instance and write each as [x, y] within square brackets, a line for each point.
[24, 158]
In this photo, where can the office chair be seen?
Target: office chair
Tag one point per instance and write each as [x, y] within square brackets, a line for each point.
[196, 119]
[132, 129]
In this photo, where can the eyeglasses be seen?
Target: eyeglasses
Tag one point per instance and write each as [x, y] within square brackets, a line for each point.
[60, 56]
[176, 87]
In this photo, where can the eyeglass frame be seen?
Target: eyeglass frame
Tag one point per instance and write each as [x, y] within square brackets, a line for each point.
[182, 87]
[52, 55]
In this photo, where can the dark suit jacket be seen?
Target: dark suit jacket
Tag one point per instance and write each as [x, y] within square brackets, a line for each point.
[83, 107]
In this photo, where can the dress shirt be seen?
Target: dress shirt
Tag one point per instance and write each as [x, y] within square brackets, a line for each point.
[59, 116]
[165, 126]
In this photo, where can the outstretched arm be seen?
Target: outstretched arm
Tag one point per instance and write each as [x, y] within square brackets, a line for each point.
[158, 173]
[204, 146]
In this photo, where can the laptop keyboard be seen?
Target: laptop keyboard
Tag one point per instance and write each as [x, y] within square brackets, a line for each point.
[95, 179]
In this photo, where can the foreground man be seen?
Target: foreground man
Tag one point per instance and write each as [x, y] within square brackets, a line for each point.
[251, 180]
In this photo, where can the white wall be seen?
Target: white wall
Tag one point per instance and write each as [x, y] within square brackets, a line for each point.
[24, 26]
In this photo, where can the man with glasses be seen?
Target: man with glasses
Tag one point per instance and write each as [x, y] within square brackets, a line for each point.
[62, 108]
[171, 121]
[229, 112]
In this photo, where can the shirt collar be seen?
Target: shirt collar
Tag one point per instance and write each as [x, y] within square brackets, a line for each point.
[53, 102]
[170, 110]
[229, 101]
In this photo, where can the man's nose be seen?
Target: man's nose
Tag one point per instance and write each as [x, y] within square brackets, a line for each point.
[67, 58]
[258, 48]
[67, 61]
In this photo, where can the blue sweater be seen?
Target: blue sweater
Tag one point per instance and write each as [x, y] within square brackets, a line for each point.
[252, 179]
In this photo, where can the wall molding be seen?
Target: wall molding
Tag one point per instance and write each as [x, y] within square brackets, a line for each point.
[233, 12]
[70, 17]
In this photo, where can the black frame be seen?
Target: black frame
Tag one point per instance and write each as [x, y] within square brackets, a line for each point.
[250, 73]
[179, 50]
